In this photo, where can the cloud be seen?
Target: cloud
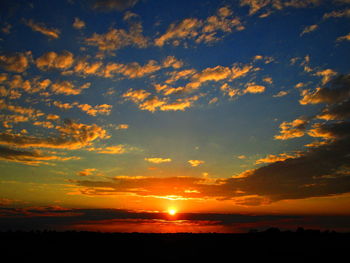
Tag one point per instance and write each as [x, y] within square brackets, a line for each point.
[271, 158]
[285, 176]
[116, 39]
[53, 60]
[33, 157]
[136, 95]
[152, 103]
[213, 100]
[68, 88]
[183, 74]
[158, 160]
[171, 61]
[337, 14]
[268, 80]
[65, 106]
[326, 75]
[339, 111]
[8, 119]
[231, 92]
[104, 109]
[344, 38]
[292, 129]
[112, 5]
[268, 6]
[217, 73]
[13, 87]
[15, 63]
[122, 126]
[212, 74]
[84, 68]
[281, 93]
[254, 89]
[195, 163]
[309, 29]
[208, 31]
[131, 70]
[119, 220]
[30, 112]
[116, 149]
[52, 117]
[87, 172]
[339, 92]
[41, 28]
[45, 124]
[78, 24]
[330, 131]
[179, 104]
[72, 136]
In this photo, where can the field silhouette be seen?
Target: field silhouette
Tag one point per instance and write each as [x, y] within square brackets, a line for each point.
[271, 245]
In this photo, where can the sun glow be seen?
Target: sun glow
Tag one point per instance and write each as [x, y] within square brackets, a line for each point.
[172, 211]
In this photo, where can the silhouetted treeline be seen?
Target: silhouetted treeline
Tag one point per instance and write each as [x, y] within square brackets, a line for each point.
[272, 245]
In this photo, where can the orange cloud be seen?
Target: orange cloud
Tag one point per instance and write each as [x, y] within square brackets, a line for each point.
[309, 29]
[68, 88]
[94, 110]
[116, 149]
[61, 105]
[72, 136]
[15, 63]
[122, 127]
[78, 24]
[206, 30]
[271, 158]
[116, 39]
[136, 95]
[292, 129]
[326, 75]
[344, 38]
[45, 124]
[195, 163]
[41, 28]
[254, 89]
[158, 160]
[87, 172]
[53, 60]
[231, 92]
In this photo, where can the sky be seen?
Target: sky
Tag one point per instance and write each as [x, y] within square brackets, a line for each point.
[235, 114]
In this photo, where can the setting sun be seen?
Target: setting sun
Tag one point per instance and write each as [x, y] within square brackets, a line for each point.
[172, 211]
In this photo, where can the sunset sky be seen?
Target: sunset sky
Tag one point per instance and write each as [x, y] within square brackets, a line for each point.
[233, 113]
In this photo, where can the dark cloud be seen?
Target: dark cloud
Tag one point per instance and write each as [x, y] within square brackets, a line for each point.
[58, 218]
[111, 5]
[29, 157]
[335, 91]
[339, 111]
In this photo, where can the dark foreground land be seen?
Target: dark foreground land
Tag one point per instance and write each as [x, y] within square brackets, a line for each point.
[268, 246]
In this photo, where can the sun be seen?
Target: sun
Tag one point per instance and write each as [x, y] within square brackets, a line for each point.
[172, 211]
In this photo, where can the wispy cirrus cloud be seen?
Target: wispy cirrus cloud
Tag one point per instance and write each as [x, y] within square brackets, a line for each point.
[31, 157]
[52, 33]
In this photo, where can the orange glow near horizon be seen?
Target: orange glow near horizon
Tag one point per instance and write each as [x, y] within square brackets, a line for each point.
[172, 211]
